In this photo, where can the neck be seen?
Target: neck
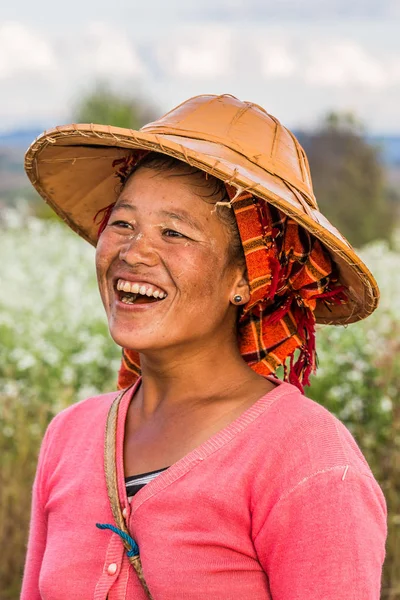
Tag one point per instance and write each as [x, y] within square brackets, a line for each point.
[192, 376]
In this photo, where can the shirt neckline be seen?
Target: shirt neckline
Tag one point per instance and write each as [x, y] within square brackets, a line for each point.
[195, 456]
[140, 475]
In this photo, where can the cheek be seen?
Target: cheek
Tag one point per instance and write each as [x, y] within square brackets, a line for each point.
[198, 273]
[105, 251]
[103, 259]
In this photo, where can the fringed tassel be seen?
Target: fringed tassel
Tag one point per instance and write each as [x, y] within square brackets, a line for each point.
[293, 377]
[280, 312]
[275, 270]
[336, 295]
[126, 164]
[106, 212]
[306, 364]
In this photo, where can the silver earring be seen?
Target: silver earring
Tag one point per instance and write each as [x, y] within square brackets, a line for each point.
[237, 299]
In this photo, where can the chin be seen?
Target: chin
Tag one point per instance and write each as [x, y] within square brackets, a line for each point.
[135, 338]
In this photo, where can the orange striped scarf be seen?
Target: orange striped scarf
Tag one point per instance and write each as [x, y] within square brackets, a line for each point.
[288, 272]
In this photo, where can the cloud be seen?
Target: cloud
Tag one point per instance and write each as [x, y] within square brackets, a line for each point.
[227, 11]
[107, 52]
[203, 53]
[342, 63]
[23, 50]
[276, 61]
[297, 71]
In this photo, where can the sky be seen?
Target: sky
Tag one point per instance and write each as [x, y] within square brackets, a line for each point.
[297, 58]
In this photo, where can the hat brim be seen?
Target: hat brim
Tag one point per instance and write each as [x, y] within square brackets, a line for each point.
[71, 168]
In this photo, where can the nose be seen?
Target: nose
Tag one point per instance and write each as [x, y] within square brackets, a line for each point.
[138, 249]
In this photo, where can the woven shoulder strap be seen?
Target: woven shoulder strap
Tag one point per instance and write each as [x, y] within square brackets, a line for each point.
[112, 490]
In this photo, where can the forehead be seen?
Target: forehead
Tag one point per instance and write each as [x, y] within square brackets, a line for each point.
[157, 191]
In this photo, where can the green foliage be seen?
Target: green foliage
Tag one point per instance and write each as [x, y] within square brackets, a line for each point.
[348, 179]
[106, 107]
[55, 350]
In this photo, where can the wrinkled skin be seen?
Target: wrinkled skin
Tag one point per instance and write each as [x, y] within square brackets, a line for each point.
[188, 260]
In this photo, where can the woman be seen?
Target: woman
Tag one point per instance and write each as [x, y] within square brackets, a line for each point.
[213, 265]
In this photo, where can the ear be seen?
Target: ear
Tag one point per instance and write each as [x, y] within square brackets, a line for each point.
[241, 288]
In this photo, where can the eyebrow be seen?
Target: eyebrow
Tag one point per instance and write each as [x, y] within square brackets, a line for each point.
[183, 216]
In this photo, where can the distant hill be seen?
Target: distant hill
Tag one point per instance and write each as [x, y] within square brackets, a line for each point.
[389, 144]
[390, 148]
[19, 138]
[13, 145]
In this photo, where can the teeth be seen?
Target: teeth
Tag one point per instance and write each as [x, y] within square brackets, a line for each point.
[128, 300]
[135, 288]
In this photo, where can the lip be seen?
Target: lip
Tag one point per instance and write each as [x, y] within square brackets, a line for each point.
[135, 307]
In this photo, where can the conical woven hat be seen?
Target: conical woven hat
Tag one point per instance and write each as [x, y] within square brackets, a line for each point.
[238, 142]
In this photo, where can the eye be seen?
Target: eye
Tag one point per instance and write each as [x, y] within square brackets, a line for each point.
[123, 224]
[173, 233]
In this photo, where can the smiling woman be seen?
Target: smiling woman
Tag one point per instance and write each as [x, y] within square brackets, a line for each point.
[151, 241]
[220, 481]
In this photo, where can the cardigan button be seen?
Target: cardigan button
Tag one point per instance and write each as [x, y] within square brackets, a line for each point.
[112, 569]
[125, 513]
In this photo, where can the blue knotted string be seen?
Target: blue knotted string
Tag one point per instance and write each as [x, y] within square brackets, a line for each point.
[134, 548]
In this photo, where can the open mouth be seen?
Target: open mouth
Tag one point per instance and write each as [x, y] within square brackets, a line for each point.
[128, 298]
[138, 293]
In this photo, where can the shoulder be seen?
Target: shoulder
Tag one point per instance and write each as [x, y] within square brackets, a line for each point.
[303, 449]
[74, 432]
[297, 438]
[309, 430]
[93, 406]
[80, 419]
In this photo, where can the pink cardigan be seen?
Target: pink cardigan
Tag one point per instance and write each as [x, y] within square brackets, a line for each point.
[280, 504]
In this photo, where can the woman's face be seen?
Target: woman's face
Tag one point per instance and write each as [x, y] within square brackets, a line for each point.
[163, 266]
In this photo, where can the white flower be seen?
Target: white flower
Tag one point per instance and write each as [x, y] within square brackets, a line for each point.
[386, 404]
[53, 327]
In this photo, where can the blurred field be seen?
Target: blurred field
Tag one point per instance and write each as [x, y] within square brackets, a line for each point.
[56, 350]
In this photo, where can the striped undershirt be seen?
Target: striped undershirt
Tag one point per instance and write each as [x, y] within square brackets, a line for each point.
[136, 482]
